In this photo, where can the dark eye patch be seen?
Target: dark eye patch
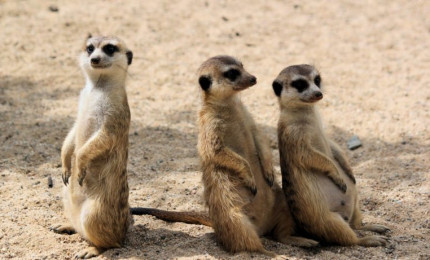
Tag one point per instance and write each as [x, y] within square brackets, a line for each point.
[232, 74]
[317, 80]
[300, 85]
[110, 49]
[90, 49]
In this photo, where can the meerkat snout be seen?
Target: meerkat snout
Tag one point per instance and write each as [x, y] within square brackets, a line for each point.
[253, 80]
[318, 95]
[95, 60]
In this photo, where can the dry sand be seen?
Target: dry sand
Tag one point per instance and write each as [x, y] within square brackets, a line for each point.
[374, 57]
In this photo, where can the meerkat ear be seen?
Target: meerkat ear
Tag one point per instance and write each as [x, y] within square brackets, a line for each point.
[205, 82]
[89, 36]
[129, 55]
[277, 87]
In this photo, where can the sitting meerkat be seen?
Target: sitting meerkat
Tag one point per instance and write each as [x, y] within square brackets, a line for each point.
[314, 169]
[244, 201]
[94, 153]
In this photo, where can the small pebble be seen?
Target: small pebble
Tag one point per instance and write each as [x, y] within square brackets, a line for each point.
[53, 8]
[353, 143]
[50, 183]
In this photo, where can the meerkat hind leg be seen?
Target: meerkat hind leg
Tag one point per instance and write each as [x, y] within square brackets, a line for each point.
[357, 223]
[283, 231]
[372, 241]
[63, 229]
[88, 253]
[381, 229]
[298, 241]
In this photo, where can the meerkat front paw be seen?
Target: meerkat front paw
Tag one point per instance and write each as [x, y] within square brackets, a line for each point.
[249, 182]
[269, 176]
[247, 178]
[372, 241]
[352, 178]
[63, 229]
[81, 165]
[339, 183]
[81, 175]
[376, 228]
[88, 253]
[253, 190]
[65, 176]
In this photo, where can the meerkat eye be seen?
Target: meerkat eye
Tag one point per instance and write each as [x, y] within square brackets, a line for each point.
[110, 49]
[300, 85]
[232, 74]
[90, 49]
[317, 80]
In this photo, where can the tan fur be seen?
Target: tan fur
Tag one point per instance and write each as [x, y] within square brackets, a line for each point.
[244, 202]
[94, 153]
[314, 168]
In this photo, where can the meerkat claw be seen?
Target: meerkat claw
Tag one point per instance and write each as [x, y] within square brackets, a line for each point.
[65, 177]
[82, 176]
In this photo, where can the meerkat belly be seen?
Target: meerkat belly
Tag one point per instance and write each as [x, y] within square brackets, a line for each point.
[257, 206]
[342, 203]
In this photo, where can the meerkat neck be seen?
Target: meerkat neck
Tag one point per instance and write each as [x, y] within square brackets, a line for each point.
[299, 109]
[221, 102]
[301, 113]
[105, 81]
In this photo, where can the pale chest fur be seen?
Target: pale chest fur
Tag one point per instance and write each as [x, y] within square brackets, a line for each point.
[90, 114]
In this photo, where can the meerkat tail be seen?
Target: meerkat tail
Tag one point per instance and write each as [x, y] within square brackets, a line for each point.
[199, 218]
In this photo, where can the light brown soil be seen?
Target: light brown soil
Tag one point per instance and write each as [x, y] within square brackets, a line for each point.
[374, 57]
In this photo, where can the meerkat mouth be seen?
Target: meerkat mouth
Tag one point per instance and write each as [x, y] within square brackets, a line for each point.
[239, 88]
[312, 100]
[101, 66]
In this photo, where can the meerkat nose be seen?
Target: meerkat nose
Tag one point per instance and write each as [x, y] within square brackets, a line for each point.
[95, 60]
[318, 94]
[253, 80]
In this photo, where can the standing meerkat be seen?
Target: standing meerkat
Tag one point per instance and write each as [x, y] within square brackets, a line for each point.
[94, 153]
[314, 169]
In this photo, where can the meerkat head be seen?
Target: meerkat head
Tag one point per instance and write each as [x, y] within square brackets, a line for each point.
[223, 76]
[105, 55]
[298, 85]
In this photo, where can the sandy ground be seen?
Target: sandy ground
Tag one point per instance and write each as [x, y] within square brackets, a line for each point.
[374, 58]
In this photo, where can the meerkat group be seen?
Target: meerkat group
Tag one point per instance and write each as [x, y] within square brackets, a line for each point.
[318, 199]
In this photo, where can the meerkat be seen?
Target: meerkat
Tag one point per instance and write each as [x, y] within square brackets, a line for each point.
[94, 153]
[243, 199]
[314, 169]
